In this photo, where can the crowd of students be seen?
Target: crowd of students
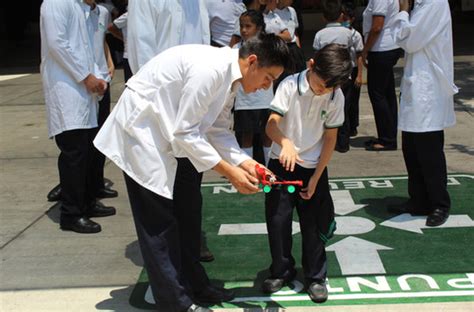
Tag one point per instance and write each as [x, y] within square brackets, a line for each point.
[205, 79]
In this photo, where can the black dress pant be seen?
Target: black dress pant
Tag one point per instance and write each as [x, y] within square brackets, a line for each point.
[427, 173]
[98, 161]
[316, 217]
[76, 173]
[169, 237]
[381, 87]
[127, 71]
[343, 132]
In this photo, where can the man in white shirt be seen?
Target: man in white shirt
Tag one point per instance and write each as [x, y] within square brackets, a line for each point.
[223, 15]
[426, 103]
[69, 74]
[156, 25]
[170, 125]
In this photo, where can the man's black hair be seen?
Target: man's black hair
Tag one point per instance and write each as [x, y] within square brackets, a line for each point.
[331, 10]
[270, 50]
[347, 8]
[333, 64]
[256, 17]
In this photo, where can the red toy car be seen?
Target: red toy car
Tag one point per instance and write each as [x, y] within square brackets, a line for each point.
[268, 181]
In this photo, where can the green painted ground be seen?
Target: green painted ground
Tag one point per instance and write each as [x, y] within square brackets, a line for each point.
[395, 261]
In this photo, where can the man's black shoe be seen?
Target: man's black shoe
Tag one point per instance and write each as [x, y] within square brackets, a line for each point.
[196, 308]
[100, 210]
[407, 207]
[318, 292]
[106, 193]
[205, 255]
[81, 225]
[272, 285]
[213, 294]
[54, 194]
[437, 217]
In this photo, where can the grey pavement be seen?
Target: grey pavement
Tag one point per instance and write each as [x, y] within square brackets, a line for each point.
[45, 269]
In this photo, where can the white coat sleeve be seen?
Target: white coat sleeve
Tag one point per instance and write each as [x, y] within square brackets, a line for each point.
[414, 33]
[224, 140]
[141, 32]
[196, 98]
[55, 16]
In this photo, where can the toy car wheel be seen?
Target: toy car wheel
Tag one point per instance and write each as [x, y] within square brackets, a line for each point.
[267, 189]
[291, 189]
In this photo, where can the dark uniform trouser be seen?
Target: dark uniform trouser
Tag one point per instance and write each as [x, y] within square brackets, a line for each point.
[316, 217]
[426, 166]
[343, 132]
[354, 95]
[76, 175]
[169, 236]
[381, 87]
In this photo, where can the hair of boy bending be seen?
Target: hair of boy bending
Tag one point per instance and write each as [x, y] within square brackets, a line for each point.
[256, 17]
[270, 50]
[333, 64]
[331, 10]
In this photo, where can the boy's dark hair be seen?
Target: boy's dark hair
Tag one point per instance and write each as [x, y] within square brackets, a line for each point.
[331, 9]
[347, 8]
[333, 64]
[256, 17]
[270, 50]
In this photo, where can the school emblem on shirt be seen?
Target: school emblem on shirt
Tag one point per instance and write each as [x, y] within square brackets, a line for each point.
[324, 114]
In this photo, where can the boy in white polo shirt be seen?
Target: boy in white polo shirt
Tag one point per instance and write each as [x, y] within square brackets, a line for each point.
[307, 110]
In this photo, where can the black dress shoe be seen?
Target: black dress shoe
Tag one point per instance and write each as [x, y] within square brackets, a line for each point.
[318, 292]
[106, 193]
[437, 217]
[407, 207]
[81, 225]
[272, 285]
[54, 194]
[100, 210]
[196, 308]
[213, 294]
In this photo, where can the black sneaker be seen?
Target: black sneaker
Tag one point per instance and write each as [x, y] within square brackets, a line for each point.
[318, 292]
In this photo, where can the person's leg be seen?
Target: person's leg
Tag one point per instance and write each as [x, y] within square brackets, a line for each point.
[429, 148]
[159, 240]
[279, 217]
[343, 132]
[416, 183]
[188, 212]
[380, 77]
[354, 96]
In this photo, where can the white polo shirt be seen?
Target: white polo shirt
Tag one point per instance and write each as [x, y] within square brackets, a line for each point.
[388, 9]
[178, 105]
[290, 19]
[305, 117]
[273, 23]
[223, 16]
[121, 23]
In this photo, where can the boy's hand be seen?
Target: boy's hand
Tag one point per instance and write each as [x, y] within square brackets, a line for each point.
[358, 82]
[289, 156]
[307, 192]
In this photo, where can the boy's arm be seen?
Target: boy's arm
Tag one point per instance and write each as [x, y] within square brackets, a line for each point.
[374, 33]
[329, 143]
[115, 31]
[288, 155]
[360, 67]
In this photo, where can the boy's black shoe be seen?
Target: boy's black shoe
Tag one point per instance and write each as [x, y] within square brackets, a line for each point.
[100, 210]
[81, 225]
[272, 285]
[318, 292]
[54, 194]
[213, 294]
[196, 308]
[106, 192]
[437, 217]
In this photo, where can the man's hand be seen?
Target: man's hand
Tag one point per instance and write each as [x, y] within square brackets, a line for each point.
[307, 192]
[289, 156]
[95, 85]
[405, 5]
[364, 57]
[243, 181]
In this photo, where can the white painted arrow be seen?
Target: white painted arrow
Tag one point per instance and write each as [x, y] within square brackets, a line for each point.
[358, 256]
[250, 228]
[410, 223]
[343, 202]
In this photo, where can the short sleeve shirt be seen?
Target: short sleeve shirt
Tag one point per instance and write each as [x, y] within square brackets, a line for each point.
[305, 117]
[388, 9]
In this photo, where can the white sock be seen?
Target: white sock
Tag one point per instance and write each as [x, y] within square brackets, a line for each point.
[248, 151]
[266, 154]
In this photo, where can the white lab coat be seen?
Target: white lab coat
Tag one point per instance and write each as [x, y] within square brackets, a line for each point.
[154, 26]
[427, 86]
[178, 105]
[67, 58]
